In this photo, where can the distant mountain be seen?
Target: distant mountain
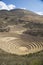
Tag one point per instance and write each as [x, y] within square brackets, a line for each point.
[28, 19]
[17, 15]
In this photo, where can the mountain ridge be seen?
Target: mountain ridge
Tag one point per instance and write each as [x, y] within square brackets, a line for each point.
[19, 14]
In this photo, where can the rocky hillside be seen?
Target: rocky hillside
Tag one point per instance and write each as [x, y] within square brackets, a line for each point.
[19, 16]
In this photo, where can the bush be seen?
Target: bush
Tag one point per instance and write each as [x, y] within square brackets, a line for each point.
[36, 62]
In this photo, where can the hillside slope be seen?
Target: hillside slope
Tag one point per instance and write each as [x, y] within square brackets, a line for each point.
[26, 32]
[17, 15]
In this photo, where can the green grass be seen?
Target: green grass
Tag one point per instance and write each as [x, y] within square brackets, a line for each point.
[31, 59]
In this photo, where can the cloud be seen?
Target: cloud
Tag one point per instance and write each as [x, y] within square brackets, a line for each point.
[3, 5]
[23, 8]
[6, 7]
[11, 6]
[40, 13]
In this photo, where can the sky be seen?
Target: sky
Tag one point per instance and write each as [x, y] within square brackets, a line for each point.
[32, 5]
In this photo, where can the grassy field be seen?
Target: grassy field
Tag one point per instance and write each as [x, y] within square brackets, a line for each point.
[12, 59]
